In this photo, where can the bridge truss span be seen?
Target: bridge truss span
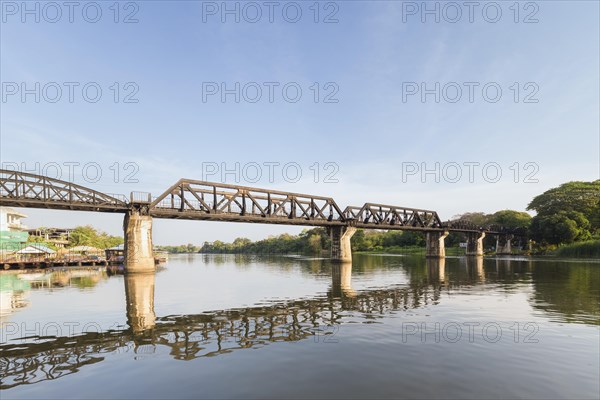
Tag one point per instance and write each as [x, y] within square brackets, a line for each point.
[200, 200]
[380, 216]
[191, 199]
[465, 226]
[21, 189]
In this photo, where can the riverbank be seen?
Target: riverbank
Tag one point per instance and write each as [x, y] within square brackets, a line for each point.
[587, 249]
[581, 250]
[412, 250]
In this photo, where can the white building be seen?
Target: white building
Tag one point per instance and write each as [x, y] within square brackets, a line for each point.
[10, 220]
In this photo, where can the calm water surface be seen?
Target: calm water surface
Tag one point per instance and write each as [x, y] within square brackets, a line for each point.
[224, 326]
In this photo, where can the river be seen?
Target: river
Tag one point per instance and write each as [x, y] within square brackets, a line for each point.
[242, 326]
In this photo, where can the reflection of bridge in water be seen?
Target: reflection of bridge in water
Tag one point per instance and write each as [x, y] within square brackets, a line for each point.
[209, 334]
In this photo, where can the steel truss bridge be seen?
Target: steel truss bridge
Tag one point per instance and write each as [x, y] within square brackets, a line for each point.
[199, 200]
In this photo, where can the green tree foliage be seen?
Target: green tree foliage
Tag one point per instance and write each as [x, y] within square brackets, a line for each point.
[312, 241]
[41, 240]
[562, 227]
[567, 213]
[89, 236]
[476, 218]
[317, 241]
[506, 218]
[510, 219]
[583, 197]
[188, 248]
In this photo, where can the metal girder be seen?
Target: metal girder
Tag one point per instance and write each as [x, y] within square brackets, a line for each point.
[20, 189]
[381, 216]
[199, 200]
[191, 199]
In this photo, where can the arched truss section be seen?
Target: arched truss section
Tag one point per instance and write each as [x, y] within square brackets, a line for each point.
[380, 216]
[463, 225]
[190, 199]
[21, 189]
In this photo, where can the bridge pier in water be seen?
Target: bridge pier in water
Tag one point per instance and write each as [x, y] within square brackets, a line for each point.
[139, 256]
[341, 250]
[503, 244]
[435, 246]
[475, 243]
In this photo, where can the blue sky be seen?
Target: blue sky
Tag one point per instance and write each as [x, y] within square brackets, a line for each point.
[370, 57]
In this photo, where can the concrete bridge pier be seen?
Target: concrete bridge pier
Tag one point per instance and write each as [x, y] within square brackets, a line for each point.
[503, 244]
[475, 243]
[139, 295]
[435, 244]
[341, 250]
[139, 256]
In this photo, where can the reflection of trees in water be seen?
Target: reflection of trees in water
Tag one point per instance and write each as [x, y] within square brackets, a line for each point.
[80, 278]
[569, 291]
[16, 285]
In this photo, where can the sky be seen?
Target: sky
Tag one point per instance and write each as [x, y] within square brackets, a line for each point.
[436, 105]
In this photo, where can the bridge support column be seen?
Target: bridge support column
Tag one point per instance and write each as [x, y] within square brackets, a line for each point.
[435, 244]
[341, 250]
[503, 245]
[139, 256]
[475, 243]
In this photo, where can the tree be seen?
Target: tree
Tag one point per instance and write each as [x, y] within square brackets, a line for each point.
[581, 197]
[358, 241]
[88, 236]
[511, 219]
[314, 243]
[83, 236]
[567, 213]
[562, 227]
[476, 218]
[41, 240]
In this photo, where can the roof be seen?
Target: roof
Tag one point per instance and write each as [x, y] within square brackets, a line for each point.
[12, 211]
[84, 248]
[119, 247]
[36, 249]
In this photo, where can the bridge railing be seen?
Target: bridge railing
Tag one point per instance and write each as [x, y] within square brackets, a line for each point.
[140, 197]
